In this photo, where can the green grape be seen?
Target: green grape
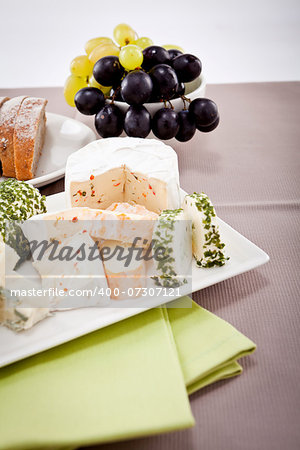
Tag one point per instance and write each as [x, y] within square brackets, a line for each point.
[103, 50]
[143, 42]
[93, 83]
[124, 34]
[170, 47]
[93, 43]
[72, 85]
[81, 66]
[131, 57]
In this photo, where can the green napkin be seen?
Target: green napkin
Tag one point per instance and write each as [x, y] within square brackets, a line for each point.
[207, 346]
[124, 381]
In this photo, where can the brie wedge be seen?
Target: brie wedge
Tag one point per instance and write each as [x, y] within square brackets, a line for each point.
[126, 275]
[141, 171]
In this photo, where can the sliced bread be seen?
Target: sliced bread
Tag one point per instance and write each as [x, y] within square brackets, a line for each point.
[8, 116]
[2, 100]
[29, 136]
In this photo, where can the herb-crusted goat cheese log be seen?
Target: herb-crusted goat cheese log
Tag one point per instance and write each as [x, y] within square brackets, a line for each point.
[172, 238]
[207, 244]
[18, 202]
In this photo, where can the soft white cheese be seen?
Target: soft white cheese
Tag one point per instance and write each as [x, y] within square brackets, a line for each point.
[143, 171]
[123, 222]
[173, 235]
[16, 317]
[207, 245]
[126, 274]
[19, 319]
[76, 277]
[8, 260]
[12, 314]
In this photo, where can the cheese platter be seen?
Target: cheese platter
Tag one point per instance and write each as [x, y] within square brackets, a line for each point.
[199, 247]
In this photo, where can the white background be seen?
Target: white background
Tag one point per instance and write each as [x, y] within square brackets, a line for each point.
[237, 41]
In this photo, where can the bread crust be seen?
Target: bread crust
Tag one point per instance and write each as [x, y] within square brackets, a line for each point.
[3, 100]
[29, 135]
[8, 116]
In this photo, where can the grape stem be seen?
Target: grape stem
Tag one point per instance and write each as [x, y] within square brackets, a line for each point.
[115, 94]
[168, 101]
[185, 99]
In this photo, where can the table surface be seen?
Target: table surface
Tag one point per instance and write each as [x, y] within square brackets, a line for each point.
[250, 167]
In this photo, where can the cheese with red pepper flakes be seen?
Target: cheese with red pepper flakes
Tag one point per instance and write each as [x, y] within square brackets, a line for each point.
[132, 209]
[125, 169]
[122, 226]
[123, 222]
[126, 274]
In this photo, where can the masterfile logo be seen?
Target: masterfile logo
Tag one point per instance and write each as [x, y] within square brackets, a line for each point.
[139, 249]
[71, 264]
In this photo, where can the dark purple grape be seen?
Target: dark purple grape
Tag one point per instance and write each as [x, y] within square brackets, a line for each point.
[137, 121]
[179, 91]
[165, 81]
[89, 100]
[174, 52]
[187, 67]
[109, 121]
[154, 98]
[136, 88]
[154, 55]
[165, 123]
[210, 127]
[118, 97]
[204, 110]
[108, 71]
[187, 126]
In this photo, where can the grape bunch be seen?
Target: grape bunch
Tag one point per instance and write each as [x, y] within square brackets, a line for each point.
[135, 71]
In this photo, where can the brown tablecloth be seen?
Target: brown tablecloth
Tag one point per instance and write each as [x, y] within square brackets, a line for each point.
[250, 167]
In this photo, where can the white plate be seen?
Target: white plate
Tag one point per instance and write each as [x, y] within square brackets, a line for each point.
[63, 137]
[68, 325]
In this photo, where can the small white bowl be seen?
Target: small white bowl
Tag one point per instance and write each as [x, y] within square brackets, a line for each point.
[193, 90]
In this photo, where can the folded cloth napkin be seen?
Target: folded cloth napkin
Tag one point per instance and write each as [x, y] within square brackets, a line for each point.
[127, 380]
[207, 346]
